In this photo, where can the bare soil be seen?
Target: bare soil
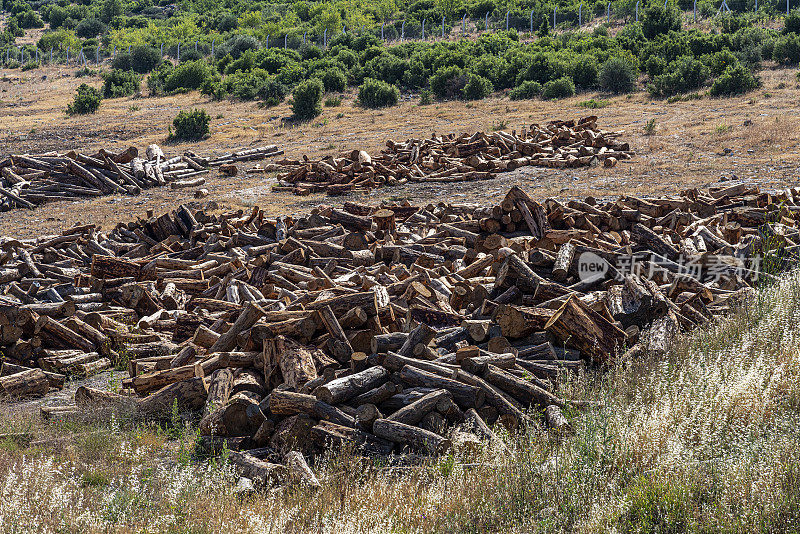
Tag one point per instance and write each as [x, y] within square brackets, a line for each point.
[697, 143]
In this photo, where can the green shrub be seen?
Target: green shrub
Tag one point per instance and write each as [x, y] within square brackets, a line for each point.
[86, 100]
[426, 100]
[526, 90]
[243, 85]
[273, 92]
[584, 71]
[786, 49]
[477, 87]
[377, 94]
[188, 76]
[333, 102]
[30, 65]
[617, 75]
[659, 20]
[88, 28]
[593, 104]
[791, 23]
[190, 55]
[119, 83]
[736, 79]
[334, 80]
[718, 62]
[448, 82]
[191, 125]
[144, 59]
[655, 65]
[681, 76]
[307, 99]
[560, 88]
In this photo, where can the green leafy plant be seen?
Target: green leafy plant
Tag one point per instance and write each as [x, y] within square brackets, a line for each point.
[736, 79]
[617, 75]
[593, 104]
[119, 83]
[86, 100]
[560, 88]
[377, 94]
[477, 87]
[526, 90]
[307, 99]
[191, 125]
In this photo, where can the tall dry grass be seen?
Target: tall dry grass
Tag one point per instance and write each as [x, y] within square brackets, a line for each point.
[706, 439]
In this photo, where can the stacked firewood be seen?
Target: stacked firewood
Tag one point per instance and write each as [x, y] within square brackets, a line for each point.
[453, 158]
[29, 180]
[385, 328]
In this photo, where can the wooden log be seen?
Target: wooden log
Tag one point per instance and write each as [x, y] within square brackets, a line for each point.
[421, 335]
[32, 382]
[345, 388]
[578, 325]
[295, 361]
[327, 434]
[414, 412]
[291, 403]
[414, 437]
[298, 472]
[251, 313]
[466, 396]
[263, 474]
[527, 393]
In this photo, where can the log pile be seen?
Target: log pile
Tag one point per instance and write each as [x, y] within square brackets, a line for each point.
[453, 158]
[29, 180]
[386, 328]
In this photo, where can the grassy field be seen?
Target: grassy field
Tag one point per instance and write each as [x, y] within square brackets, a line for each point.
[703, 439]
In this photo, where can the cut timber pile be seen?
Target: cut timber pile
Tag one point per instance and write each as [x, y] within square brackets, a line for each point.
[29, 180]
[454, 159]
[387, 328]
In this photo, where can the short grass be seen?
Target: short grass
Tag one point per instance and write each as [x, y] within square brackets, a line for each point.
[703, 439]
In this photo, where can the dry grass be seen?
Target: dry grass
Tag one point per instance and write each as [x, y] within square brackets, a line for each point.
[705, 439]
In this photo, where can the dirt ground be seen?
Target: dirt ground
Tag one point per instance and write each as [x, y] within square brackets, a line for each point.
[696, 143]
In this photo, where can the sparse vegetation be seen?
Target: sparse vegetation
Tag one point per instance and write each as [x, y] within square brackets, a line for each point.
[650, 127]
[593, 104]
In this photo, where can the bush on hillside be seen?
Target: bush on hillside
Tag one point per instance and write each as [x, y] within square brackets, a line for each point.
[191, 125]
[334, 80]
[88, 28]
[682, 75]
[273, 92]
[477, 87]
[617, 75]
[561, 88]
[377, 94]
[119, 83]
[86, 100]
[188, 76]
[307, 99]
[526, 90]
[659, 20]
[736, 79]
[448, 82]
[786, 49]
[791, 23]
